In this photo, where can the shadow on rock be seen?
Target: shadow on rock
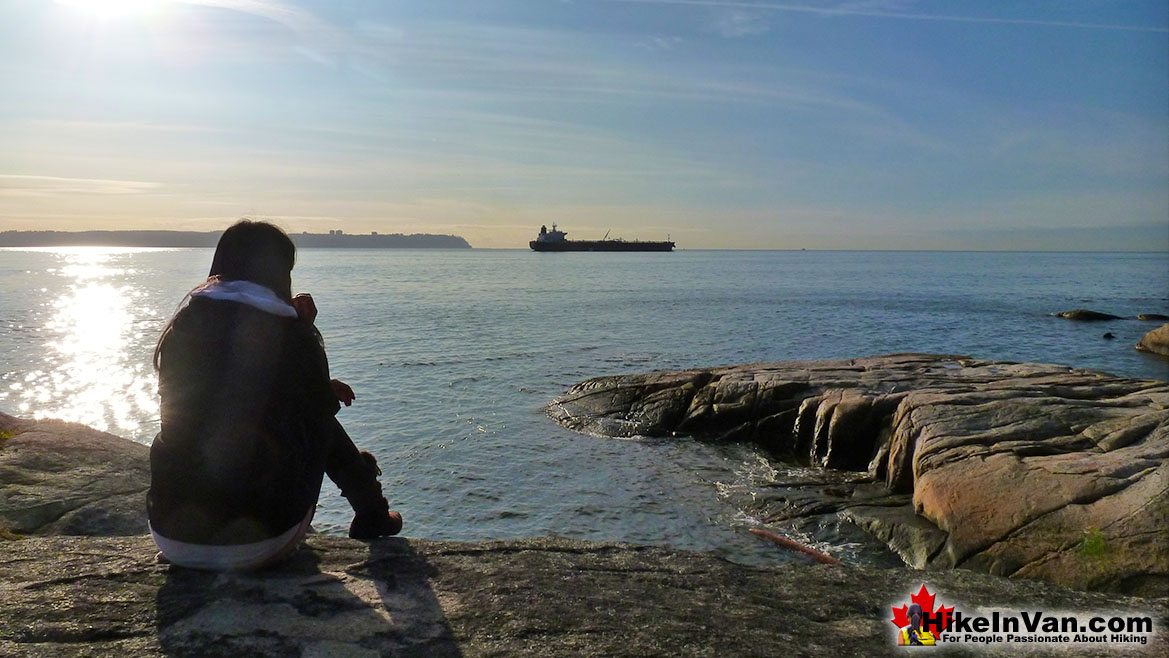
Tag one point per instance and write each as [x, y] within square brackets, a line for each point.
[324, 601]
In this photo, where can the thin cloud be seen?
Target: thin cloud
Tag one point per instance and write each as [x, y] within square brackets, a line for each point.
[317, 38]
[846, 11]
[876, 5]
[658, 42]
[736, 24]
[291, 17]
[22, 185]
[117, 126]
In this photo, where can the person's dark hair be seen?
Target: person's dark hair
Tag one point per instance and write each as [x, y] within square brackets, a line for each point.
[258, 252]
[248, 250]
[915, 616]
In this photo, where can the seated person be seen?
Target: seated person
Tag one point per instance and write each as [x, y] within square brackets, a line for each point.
[248, 417]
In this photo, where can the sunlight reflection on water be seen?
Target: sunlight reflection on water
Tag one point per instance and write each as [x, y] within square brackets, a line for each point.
[90, 374]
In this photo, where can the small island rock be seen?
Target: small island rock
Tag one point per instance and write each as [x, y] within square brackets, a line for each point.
[1084, 315]
[1156, 341]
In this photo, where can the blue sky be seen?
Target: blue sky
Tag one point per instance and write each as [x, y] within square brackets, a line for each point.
[819, 124]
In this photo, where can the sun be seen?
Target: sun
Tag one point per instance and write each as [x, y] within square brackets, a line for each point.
[109, 9]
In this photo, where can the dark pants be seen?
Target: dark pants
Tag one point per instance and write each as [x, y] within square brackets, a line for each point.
[353, 473]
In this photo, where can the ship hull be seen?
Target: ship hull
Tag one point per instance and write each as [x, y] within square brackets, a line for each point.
[600, 245]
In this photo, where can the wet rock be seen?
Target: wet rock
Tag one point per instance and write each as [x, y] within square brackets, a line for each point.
[1084, 315]
[1018, 465]
[1153, 316]
[65, 597]
[1156, 341]
[59, 478]
[913, 538]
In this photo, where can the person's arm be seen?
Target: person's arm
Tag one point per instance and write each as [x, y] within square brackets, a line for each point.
[343, 392]
[306, 308]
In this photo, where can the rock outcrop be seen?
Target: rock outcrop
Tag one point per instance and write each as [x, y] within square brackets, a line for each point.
[1017, 469]
[65, 597]
[59, 478]
[1085, 315]
[1156, 341]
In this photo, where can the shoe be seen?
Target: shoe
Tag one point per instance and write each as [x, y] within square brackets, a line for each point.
[374, 523]
[373, 517]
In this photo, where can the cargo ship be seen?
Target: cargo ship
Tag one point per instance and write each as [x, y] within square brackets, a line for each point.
[554, 240]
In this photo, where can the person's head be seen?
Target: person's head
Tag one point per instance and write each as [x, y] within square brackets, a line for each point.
[258, 252]
[915, 616]
[247, 251]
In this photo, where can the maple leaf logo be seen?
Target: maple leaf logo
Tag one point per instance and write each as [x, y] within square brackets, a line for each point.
[940, 618]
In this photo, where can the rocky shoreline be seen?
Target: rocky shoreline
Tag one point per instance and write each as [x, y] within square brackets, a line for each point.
[59, 478]
[78, 576]
[1017, 469]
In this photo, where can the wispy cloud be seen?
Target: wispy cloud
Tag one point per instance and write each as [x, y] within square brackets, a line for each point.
[659, 42]
[861, 10]
[496, 64]
[119, 127]
[875, 5]
[735, 24]
[292, 17]
[22, 185]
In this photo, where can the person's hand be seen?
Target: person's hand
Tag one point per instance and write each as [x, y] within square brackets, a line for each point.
[343, 392]
[305, 307]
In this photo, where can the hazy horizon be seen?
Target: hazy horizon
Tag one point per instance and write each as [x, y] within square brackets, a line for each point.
[825, 125]
[1019, 240]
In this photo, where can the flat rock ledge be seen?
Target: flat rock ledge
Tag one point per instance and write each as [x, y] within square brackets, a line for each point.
[1017, 469]
[59, 478]
[66, 597]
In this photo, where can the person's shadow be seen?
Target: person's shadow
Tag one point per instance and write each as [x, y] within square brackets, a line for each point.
[381, 606]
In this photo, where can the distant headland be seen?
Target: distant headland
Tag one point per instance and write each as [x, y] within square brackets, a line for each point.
[332, 239]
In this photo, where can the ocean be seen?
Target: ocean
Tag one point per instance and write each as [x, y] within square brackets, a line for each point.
[453, 355]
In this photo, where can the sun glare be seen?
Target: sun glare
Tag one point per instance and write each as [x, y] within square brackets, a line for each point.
[109, 9]
[91, 374]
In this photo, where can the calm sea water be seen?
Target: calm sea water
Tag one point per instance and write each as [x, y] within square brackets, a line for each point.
[453, 355]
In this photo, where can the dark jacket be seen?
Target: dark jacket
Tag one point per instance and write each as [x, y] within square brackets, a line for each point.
[244, 396]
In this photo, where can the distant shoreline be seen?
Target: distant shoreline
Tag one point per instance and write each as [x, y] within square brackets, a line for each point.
[336, 240]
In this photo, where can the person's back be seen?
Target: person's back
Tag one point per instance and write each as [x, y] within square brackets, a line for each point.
[248, 418]
[243, 399]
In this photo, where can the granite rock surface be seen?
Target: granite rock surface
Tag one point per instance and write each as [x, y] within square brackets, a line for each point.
[59, 478]
[1156, 341]
[1017, 469]
[65, 597]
